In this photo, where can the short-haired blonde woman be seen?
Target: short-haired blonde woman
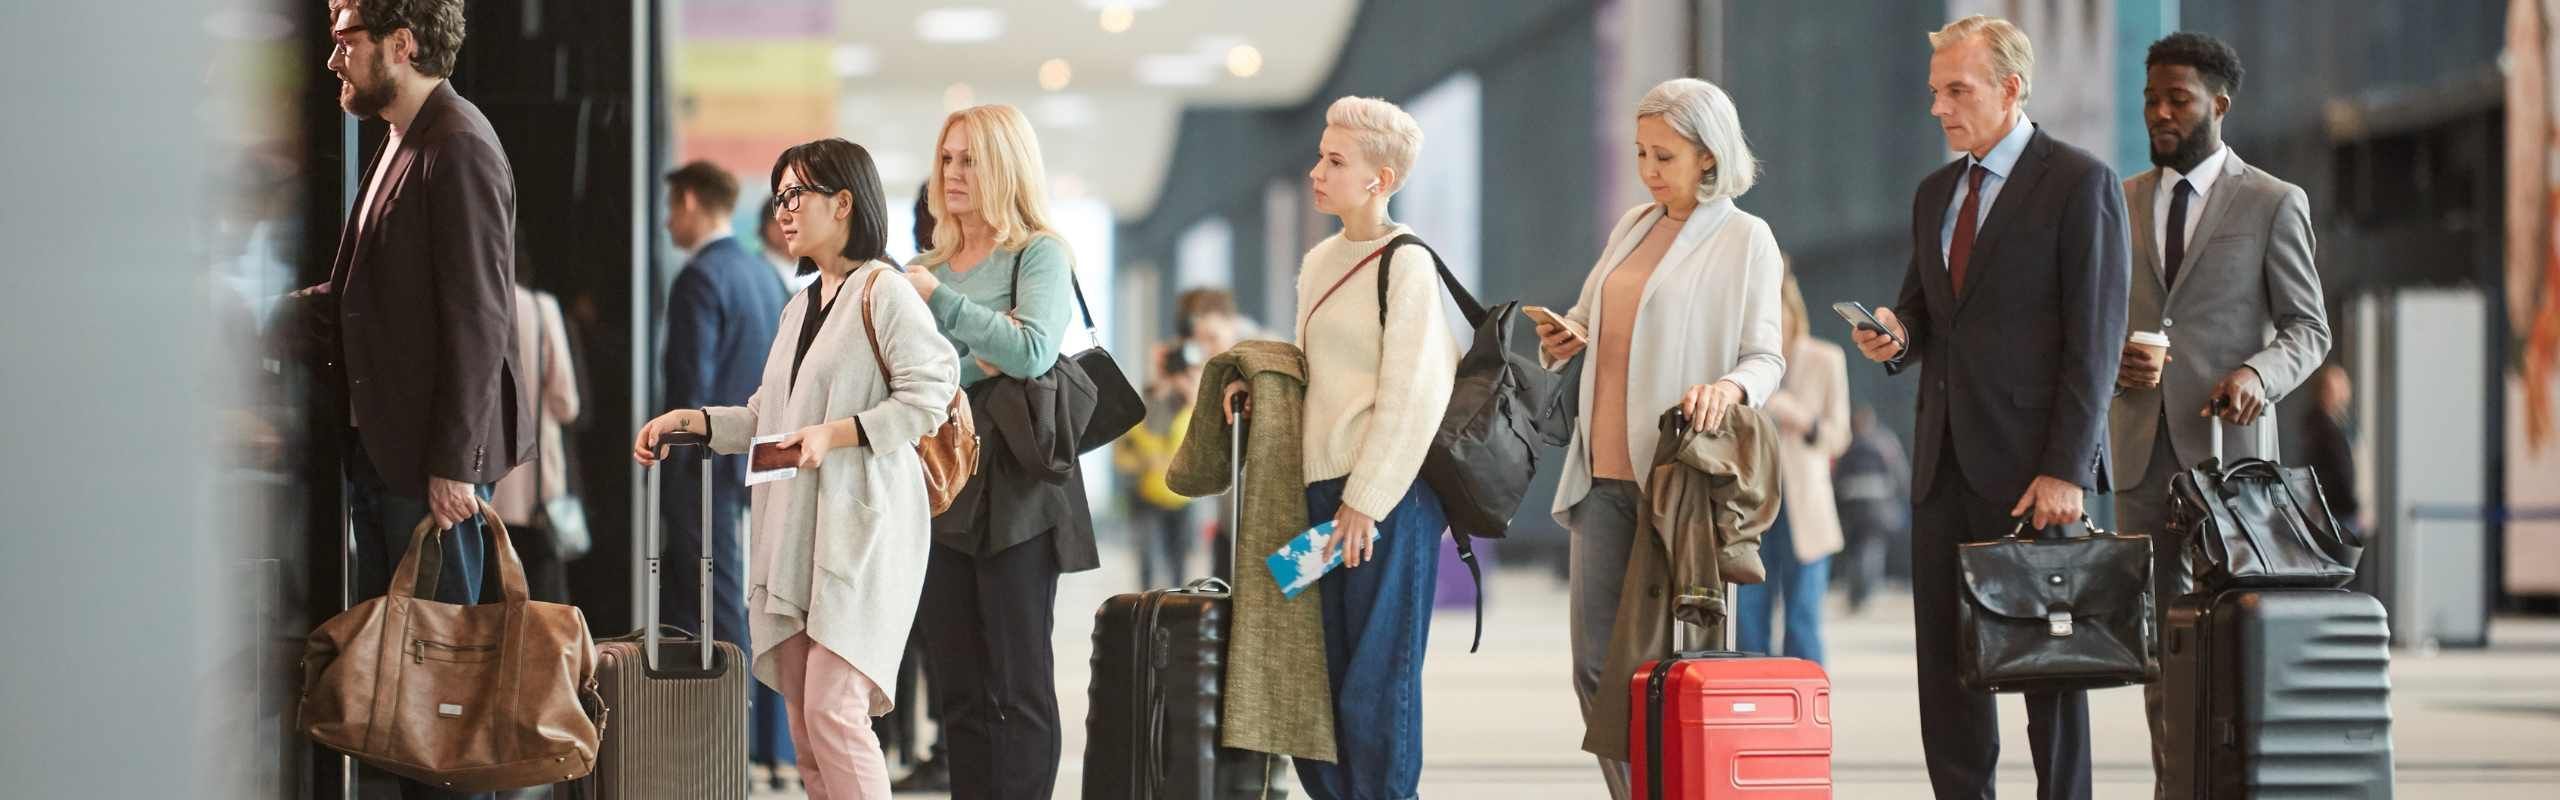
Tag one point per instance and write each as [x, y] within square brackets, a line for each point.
[831, 583]
[1000, 284]
[1377, 383]
[1681, 310]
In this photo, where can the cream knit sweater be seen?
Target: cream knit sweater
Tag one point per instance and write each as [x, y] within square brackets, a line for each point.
[1374, 398]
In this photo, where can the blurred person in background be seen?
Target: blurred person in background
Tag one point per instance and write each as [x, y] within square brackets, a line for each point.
[776, 253]
[1162, 522]
[1683, 310]
[1871, 484]
[2017, 347]
[856, 377]
[542, 341]
[415, 327]
[991, 588]
[1206, 324]
[1811, 409]
[2329, 445]
[1370, 413]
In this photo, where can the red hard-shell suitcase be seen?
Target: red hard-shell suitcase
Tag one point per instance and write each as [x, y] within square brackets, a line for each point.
[1717, 724]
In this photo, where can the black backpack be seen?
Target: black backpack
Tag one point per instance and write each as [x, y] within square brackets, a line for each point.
[1486, 449]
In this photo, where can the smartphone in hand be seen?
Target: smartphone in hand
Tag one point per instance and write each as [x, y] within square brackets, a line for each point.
[1548, 316]
[1857, 315]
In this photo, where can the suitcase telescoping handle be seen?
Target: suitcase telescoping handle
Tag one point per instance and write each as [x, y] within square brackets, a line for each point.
[1684, 638]
[346, 600]
[1235, 481]
[651, 541]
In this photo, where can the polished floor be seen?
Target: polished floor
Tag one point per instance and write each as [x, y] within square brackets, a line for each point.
[2470, 725]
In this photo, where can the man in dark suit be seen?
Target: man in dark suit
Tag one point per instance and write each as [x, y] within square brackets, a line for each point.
[416, 324]
[2014, 305]
[721, 317]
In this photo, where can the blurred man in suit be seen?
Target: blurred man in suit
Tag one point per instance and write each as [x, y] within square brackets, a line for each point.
[721, 316]
[2014, 306]
[2223, 256]
[416, 326]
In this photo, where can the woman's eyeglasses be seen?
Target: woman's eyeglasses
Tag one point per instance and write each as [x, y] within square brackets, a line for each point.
[789, 199]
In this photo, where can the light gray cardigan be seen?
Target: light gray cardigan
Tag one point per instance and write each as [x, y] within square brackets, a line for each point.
[839, 552]
[1710, 311]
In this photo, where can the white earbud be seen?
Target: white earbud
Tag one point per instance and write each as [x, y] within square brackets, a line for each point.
[1373, 186]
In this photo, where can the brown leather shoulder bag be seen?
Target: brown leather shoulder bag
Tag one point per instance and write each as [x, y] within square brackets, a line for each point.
[950, 453]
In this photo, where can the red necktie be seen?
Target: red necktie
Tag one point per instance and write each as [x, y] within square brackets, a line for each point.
[1960, 247]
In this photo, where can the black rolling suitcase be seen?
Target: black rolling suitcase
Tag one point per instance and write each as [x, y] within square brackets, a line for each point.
[2277, 693]
[1159, 680]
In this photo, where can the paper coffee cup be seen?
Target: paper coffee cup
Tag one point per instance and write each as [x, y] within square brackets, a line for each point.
[2154, 341]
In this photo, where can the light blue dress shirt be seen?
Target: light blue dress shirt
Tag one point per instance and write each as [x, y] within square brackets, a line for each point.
[2002, 159]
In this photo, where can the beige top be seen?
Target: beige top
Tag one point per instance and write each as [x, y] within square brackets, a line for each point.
[553, 382]
[1621, 296]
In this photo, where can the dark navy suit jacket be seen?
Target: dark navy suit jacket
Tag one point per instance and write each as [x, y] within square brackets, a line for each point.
[2016, 372]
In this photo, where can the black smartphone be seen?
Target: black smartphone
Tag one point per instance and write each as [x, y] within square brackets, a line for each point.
[1857, 315]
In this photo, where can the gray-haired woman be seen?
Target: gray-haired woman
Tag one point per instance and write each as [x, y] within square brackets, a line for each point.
[1682, 309]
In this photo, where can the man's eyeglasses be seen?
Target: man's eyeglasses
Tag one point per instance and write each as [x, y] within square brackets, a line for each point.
[346, 38]
[789, 199]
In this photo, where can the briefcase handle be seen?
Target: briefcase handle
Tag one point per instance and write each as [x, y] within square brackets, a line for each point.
[2019, 530]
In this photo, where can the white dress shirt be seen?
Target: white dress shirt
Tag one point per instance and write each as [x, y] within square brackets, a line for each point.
[2002, 160]
[2201, 182]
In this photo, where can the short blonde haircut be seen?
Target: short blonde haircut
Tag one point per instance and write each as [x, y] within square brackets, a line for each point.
[2011, 53]
[1702, 114]
[1013, 184]
[1387, 136]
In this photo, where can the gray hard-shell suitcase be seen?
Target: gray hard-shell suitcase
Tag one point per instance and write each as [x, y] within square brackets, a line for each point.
[2277, 693]
[678, 709]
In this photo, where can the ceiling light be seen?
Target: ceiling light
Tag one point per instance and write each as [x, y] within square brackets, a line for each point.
[961, 25]
[1243, 61]
[957, 97]
[1054, 74]
[853, 60]
[1117, 19]
[1181, 69]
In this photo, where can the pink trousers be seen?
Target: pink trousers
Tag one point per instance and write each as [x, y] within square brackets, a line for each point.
[830, 704]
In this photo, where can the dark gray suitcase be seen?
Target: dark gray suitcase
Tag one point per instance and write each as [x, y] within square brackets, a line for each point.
[1159, 682]
[676, 712]
[2278, 693]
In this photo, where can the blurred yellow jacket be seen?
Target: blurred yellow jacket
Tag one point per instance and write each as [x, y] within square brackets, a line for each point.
[1144, 454]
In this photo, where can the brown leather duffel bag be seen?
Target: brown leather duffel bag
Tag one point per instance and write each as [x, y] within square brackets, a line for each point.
[467, 698]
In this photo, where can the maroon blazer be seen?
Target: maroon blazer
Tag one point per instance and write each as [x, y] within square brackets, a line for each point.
[416, 325]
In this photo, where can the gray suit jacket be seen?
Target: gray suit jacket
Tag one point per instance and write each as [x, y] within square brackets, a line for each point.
[2247, 294]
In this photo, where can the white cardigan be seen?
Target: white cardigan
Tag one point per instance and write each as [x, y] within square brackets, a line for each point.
[840, 551]
[1710, 312]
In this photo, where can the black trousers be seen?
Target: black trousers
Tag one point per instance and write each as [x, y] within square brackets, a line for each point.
[1959, 727]
[987, 623]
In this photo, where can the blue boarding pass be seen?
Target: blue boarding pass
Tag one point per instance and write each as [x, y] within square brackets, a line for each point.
[1297, 565]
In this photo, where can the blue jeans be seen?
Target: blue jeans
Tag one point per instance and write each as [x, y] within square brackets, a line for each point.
[1800, 585]
[1377, 618]
[384, 518]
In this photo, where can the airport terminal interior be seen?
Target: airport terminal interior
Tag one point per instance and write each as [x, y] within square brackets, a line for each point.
[196, 193]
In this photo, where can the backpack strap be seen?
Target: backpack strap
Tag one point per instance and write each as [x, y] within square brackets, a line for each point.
[1467, 304]
[1475, 314]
